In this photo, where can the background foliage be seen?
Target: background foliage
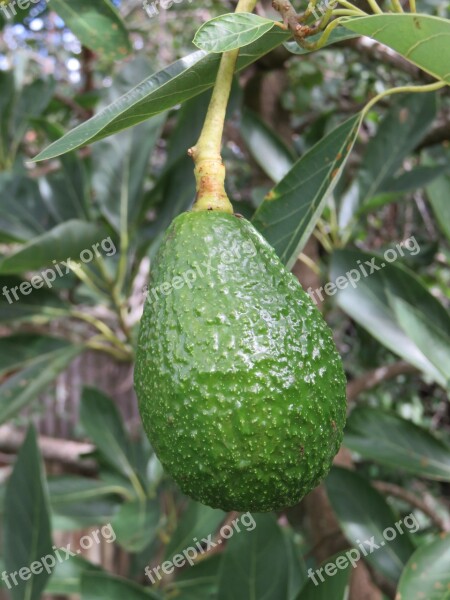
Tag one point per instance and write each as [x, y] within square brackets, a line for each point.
[329, 186]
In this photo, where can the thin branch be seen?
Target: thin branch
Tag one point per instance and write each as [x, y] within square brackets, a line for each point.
[373, 378]
[67, 452]
[410, 498]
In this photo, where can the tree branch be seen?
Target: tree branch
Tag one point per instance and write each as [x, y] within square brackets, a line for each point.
[373, 378]
[391, 489]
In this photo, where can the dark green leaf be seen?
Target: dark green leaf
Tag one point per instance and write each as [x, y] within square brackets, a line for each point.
[198, 521]
[103, 586]
[67, 489]
[367, 300]
[136, 524]
[397, 443]
[184, 79]
[65, 241]
[364, 515]
[268, 150]
[255, 563]
[427, 574]
[24, 348]
[66, 578]
[398, 134]
[326, 587]
[199, 581]
[290, 212]
[23, 387]
[104, 425]
[40, 306]
[438, 194]
[231, 31]
[97, 25]
[428, 337]
[27, 533]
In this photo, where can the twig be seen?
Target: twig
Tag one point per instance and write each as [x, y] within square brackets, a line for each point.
[67, 452]
[391, 489]
[373, 378]
[73, 105]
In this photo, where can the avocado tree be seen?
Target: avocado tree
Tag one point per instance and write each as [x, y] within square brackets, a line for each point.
[140, 174]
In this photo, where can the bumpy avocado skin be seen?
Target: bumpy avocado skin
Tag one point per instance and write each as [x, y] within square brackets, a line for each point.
[241, 389]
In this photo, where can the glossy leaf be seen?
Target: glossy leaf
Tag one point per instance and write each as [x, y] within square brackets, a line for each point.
[364, 515]
[400, 131]
[27, 534]
[418, 38]
[428, 337]
[136, 524]
[23, 348]
[23, 387]
[197, 521]
[184, 79]
[40, 306]
[291, 210]
[199, 581]
[334, 586]
[397, 443]
[66, 578]
[367, 301]
[64, 241]
[254, 564]
[438, 193]
[427, 574]
[231, 31]
[104, 586]
[97, 25]
[268, 150]
[104, 425]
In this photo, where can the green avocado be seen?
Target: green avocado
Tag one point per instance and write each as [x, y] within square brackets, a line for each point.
[240, 386]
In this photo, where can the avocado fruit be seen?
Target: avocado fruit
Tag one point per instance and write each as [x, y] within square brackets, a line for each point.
[241, 389]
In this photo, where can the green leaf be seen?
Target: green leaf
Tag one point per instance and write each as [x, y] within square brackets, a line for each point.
[97, 25]
[438, 194]
[23, 348]
[136, 524]
[104, 425]
[184, 79]
[427, 574]
[199, 581]
[421, 39]
[23, 211]
[337, 35]
[428, 337]
[397, 443]
[290, 212]
[120, 167]
[103, 586]
[398, 135]
[67, 489]
[66, 578]
[367, 301]
[64, 241]
[231, 31]
[74, 516]
[364, 515]
[334, 586]
[23, 387]
[39, 307]
[255, 563]
[268, 150]
[197, 521]
[27, 533]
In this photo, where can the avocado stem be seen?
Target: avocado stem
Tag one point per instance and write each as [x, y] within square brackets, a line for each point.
[209, 169]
